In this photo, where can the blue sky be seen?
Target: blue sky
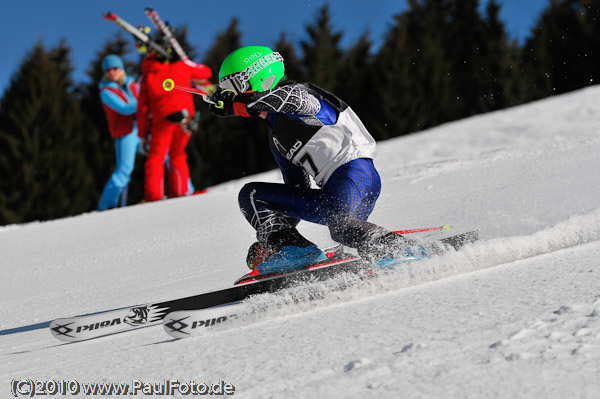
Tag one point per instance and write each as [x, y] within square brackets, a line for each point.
[24, 22]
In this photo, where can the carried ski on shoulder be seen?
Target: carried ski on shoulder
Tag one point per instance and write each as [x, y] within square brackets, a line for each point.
[152, 14]
[137, 33]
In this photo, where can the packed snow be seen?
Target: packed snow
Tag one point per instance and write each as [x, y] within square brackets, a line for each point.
[516, 314]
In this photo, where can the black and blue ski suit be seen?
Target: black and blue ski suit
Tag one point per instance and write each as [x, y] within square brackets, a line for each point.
[313, 133]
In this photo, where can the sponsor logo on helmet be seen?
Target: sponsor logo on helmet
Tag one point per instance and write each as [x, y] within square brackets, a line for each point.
[252, 57]
[262, 63]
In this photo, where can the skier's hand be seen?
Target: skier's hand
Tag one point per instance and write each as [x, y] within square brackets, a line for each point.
[223, 103]
[228, 103]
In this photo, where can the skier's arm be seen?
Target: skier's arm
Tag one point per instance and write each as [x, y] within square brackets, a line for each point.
[118, 104]
[286, 99]
[293, 100]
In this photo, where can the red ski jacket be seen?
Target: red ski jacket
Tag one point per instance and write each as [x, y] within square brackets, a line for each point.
[156, 103]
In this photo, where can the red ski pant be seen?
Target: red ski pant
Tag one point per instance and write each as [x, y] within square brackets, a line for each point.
[166, 138]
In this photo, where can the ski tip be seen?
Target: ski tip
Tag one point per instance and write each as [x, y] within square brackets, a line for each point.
[61, 330]
[248, 278]
[109, 15]
[460, 240]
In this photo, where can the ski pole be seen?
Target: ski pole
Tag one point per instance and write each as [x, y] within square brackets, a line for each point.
[169, 84]
[445, 227]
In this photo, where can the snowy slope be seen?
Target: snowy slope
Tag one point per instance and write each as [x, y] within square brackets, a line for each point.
[514, 315]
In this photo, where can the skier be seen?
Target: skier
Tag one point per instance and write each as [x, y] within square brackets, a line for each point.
[165, 122]
[118, 93]
[313, 133]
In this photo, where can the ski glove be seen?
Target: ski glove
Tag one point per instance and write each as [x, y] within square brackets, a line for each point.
[227, 103]
[223, 103]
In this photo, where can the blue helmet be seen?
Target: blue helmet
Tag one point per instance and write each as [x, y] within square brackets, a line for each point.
[112, 61]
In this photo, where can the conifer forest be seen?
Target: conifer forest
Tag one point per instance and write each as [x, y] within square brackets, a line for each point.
[440, 60]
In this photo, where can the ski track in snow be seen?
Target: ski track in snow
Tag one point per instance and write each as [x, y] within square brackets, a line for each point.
[577, 230]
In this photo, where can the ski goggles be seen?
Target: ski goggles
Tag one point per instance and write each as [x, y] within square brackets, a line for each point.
[240, 82]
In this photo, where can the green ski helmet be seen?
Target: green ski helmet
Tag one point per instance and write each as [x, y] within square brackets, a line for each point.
[251, 68]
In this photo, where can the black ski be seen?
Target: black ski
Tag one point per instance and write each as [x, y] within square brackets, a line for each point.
[95, 325]
[110, 322]
[166, 31]
[197, 322]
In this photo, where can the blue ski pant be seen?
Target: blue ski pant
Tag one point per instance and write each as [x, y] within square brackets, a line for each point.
[126, 148]
[343, 204]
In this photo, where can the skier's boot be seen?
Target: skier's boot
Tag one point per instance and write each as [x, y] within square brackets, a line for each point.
[285, 250]
[256, 255]
[390, 249]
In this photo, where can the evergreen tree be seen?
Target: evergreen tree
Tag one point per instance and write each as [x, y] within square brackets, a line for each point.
[292, 64]
[226, 148]
[225, 43]
[412, 75]
[432, 69]
[390, 81]
[560, 55]
[181, 34]
[357, 75]
[591, 11]
[464, 48]
[43, 168]
[322, 54]
[483, 61]
[442, 61]
[501, 63]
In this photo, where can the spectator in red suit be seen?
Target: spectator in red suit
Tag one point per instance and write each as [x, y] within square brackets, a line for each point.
[164, 122]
